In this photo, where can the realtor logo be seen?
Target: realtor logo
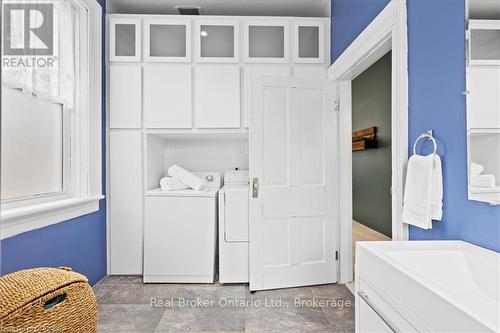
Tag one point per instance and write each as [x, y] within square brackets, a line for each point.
[28, 29]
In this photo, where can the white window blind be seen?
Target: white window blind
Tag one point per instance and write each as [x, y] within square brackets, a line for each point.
[32, 162]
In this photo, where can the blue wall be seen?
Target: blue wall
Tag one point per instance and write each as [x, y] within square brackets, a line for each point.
[436, 66]
[78, 243]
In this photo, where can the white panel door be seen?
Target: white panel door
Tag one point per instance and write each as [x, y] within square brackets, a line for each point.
[257, 71]
[167, 96]
[217, 96]
[125, 202]
[311, 71]
[484, 98]
[292, 216]
[125, 96]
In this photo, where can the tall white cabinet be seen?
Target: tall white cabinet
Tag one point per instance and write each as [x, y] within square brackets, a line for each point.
[125, 201]
[180, 84]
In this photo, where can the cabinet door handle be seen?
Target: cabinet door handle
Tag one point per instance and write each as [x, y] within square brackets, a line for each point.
[379, 312]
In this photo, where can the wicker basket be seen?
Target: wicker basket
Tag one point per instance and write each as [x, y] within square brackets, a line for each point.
[47, 300]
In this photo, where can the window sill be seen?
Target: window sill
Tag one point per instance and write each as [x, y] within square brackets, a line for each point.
[18, 220]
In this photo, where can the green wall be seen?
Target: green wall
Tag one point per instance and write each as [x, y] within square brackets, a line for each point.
[371, 168]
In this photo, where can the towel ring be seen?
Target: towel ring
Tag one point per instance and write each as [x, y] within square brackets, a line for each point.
[428, 137]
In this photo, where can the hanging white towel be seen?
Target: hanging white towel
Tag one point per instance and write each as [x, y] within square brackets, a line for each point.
[172, 184]
[185, 177]
[423, 196]
[437, 190]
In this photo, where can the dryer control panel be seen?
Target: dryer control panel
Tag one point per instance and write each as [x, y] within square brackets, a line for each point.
[236, 177]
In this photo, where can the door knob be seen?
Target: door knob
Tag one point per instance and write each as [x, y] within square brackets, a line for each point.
[255, 187]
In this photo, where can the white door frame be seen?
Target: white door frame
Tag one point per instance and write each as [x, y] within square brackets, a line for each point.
[388, 31]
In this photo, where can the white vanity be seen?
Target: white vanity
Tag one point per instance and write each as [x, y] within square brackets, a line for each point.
[427, 286]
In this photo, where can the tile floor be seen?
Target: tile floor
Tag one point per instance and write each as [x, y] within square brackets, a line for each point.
[127, 305]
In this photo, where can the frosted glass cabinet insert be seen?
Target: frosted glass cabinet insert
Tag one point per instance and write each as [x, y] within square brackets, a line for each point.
[218, 41]
[266, 42]
[167, 40]
[309, 42]
[125, 39]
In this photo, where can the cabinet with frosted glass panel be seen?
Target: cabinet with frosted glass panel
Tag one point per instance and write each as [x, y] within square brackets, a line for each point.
[125, 39]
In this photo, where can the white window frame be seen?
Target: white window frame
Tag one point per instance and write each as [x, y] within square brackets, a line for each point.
[84, 183]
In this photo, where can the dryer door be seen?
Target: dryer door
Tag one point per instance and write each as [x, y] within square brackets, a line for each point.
[236, 215]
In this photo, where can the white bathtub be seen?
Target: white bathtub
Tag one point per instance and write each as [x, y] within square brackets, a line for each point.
[436, 286]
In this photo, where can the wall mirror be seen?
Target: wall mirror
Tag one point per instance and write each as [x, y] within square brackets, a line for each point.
[483, 100]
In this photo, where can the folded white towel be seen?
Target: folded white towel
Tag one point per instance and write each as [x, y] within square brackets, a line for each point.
[185, 177]
[423, 196]
[476, 169]
[172, 184]
[482, 181]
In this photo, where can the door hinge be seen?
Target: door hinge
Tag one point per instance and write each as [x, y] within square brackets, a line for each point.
[336, 106]
[337, 255]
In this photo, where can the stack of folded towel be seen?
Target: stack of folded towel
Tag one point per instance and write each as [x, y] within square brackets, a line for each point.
[477, 179]
[180, 179]
[423, 196]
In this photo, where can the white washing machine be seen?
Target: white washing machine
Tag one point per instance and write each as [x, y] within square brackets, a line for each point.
[180, 232]
[233, 227]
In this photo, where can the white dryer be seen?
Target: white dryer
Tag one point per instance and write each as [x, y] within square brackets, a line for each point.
[180, 232]
[233, 227]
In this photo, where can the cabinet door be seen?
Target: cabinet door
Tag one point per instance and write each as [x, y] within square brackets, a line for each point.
[217, 41]
[266, 41]
[251, 71]
[483, 100]
[309, 42]
[217, 96]
[125, 96]
[125, 202]
[167, 40]
[167, 96]
[125, 39]
[484, 42]
[369, 321]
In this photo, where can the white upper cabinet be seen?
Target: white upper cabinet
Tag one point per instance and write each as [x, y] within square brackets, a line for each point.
[125, 39]
[484, 41]
[217, 91]
[309, 41]
[125, 90]
[266, 41]
[217, 41]
[167, 40]
[167, 96]
[483, 100]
